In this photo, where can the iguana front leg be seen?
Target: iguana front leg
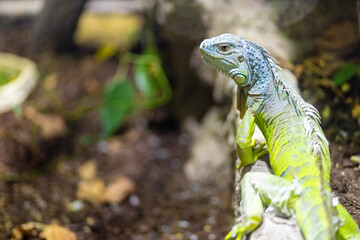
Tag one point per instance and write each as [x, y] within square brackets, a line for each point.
[245, 145]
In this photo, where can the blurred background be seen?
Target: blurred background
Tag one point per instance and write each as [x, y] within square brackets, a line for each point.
[112, 127]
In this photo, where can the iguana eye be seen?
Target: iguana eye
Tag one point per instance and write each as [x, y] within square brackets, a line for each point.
[224, 47]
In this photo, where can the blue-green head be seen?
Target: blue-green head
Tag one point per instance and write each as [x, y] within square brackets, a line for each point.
[239, 59]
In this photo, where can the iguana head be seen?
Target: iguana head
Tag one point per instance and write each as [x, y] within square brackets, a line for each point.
[227, 53]
[235, 57]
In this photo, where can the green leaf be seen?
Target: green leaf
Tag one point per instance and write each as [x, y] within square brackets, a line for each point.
[345, 73]
[119, 99]
[151, 79]
[145, 81]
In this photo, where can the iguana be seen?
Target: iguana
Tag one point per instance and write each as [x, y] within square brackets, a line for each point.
[298, 150]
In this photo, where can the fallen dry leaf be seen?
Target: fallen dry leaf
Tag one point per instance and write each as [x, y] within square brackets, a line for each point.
[115, 145]
[57, 232]
[91, 190]
[51, 125]
[118, 190]
[50, 82]
[88, 170]
[27, 231]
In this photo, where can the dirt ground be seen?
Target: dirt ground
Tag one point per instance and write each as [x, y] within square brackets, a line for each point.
[150, 150]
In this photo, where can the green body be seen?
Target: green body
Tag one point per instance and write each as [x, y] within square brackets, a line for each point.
[298, 150]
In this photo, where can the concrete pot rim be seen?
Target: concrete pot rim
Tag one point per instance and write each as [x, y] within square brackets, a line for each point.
[17, 90]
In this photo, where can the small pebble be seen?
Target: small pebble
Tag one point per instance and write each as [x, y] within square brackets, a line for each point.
[176, 164]
[179, 236]
[154, 141]
[141, 124]
[207, 228]
[165, 229]
[161, 154]
[355, 158]
[134, 200]
[194, 237]
[184, 195]
[212, 236]
[102, 147]
[87, 229]
[211, 220]
[76, 205]
[183, 224]
[343, 134]
[184, 139]
[90, 221]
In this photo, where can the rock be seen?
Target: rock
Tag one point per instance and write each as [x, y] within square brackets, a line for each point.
[209, 155]
[253, 20]
[276, 228]
[339, 39]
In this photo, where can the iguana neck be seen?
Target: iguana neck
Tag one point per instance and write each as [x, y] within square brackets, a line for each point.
[263, 90]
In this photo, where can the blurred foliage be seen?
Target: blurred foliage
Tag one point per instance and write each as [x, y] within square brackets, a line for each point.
[147, 86]
[119, 98]
[336, 79]
[150, 79]
[345, 73]
[139, 82]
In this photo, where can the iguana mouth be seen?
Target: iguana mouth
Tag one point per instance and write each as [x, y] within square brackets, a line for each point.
[207, 56]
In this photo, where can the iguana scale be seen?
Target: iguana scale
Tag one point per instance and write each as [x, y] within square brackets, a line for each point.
[298, 150]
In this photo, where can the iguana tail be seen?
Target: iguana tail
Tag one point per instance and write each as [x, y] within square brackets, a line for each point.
[314, 214]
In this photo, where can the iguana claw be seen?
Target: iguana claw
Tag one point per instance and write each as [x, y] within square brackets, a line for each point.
[237, 232]
[258, 150]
